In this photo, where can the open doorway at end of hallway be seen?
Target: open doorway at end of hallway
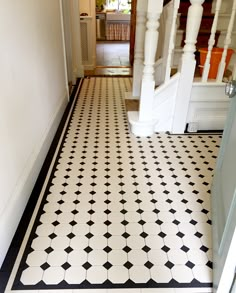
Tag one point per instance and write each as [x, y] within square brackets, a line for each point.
[112, 59]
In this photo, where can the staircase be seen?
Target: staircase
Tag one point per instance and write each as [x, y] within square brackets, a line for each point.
[172, 102]
[205, 28]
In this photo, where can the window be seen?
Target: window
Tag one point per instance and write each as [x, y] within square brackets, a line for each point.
[118, 4]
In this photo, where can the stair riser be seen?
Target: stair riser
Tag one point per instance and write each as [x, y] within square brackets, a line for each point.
[223, 22]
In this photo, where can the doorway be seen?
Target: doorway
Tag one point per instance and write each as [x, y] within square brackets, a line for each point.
[113, 36]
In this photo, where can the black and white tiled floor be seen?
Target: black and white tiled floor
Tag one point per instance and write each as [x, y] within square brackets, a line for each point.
[118, 211]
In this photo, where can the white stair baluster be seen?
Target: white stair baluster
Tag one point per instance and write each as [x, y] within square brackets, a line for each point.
[227, 42]
[154, 10]
[169, 52]
[211, 42]
[187, 66]
[139, 47]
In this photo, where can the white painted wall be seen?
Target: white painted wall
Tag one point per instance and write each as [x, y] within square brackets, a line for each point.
[33, 96]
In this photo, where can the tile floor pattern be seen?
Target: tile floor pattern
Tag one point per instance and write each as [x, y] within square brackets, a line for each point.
[112, 53]
[121, 211]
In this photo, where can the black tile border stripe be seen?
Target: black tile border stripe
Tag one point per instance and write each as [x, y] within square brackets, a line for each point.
[17, 240]
[85, 285]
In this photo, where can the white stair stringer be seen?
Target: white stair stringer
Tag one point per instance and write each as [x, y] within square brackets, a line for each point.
[164, 104]
[208, 106]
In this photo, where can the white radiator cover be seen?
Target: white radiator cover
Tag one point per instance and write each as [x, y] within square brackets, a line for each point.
[87, 43]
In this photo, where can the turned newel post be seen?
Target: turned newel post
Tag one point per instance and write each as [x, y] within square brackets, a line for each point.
[139, 46]
[187, 66]
[154, 9]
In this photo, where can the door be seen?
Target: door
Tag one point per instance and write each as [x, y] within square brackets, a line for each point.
[132, 31]
[224, 205]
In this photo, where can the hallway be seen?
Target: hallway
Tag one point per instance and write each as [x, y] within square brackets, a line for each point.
[118, 211]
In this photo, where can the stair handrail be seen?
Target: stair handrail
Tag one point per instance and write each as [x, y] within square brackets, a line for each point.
[227, 42]
[211, 42]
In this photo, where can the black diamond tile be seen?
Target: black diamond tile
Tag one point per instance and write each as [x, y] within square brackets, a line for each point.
[107, 211]
[146, 248]
[66, 266]
[190, 265]
[204, 248]
[45, 266]
[139, 211]
[159, 222]
[89, 235]
[86, 265]
[124, 223]
[58, 212]
[127, 249]
[52, 236]
[74, 212]
[92, 201]
[165, 248]
[141, 222]
[60, 201]
[156, 211]
[153, 200]
[193, 222]
[88, 249]
[162, 235]
[209, 264]
[107, 249]
[184, 248]
[125, 235]
[204, 211]
[128, 265]
[68, 249]
[123, 201]
[198, 234]
[107, 235]
[176, 222]
[49, 250]
[107, 223]
[73, 223]
[169, 264]
[91, 212]
[107, 265]
[90, 223]
[71, 235]
[144, 234]
[209, 222]
[55, 223]
[123, 211]
[149, 265]
[180, 234]
[138, 201]
[188, 211]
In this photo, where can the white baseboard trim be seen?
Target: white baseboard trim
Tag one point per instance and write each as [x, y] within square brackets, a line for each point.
[141, 128]
[11, 216]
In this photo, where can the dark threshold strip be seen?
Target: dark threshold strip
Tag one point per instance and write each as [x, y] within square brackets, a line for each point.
[14, 248]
